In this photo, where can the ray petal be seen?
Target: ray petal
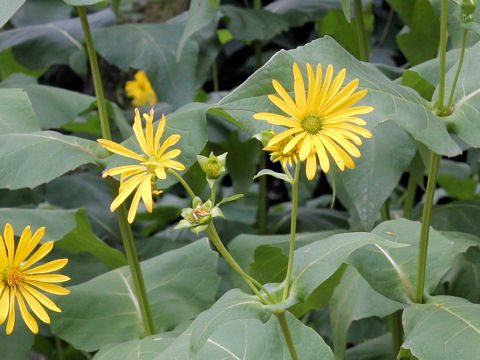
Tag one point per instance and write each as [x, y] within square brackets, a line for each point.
[3, 254]
[341, 97]
[292, 143]
[146, 187]
[41, 252]
[159, 132]
[345, 144]
[119, 149]
[138, 130]
[320, 100]
[27, 317]
[36, 307]
[277, 119]
[293, 112]
[4, 302]
[311, 167]
[286, 100]
[305, 147]
[332, 150]
[149, 132]
[53, 278]
[9, 237]
[51, 288]
[173, 165]
[299, 89]
[130, 169]
[171, 140]
[311, 87]
[11, 312]
[50, 266]
[42, 298]
[22, 246]
[336, 85]
[132, 212]
[126, 189]
[322, 155]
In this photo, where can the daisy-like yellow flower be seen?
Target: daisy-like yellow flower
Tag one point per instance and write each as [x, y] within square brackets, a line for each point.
[321, 120]
[153, 163]
[19, 281]
[141, 90]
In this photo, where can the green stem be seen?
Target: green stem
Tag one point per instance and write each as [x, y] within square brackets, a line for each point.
[217, 242]
[385, 211]
[126, 231]
[216, 86]
[410, 197]
[286, 332]
[457, 74]
[97, 79]
[395, 325]
[214, 192]
[293, 230]
[426, 217]
[442, 50]
[59, 348]
[183, 182]
[362, 39]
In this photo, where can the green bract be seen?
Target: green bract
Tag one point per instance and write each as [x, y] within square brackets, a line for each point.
[198, 217]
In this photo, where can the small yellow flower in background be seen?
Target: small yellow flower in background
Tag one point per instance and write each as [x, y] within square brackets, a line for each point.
[19, 280]
[321, 122]
[141, 90]
[153, 163]
[276, 153]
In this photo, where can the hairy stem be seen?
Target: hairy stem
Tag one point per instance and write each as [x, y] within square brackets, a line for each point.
[442, 52]
[395, 326]
[293, 230]
[125, 230]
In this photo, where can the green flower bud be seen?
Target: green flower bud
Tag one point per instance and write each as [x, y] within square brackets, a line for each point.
[198, 217]
[213, 166]
[468, 8]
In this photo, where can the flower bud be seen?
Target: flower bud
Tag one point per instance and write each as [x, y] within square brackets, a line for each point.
[468, 8]
[213, 166]
[198, 217]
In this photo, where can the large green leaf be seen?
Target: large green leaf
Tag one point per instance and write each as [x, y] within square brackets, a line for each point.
[82, 2]
[16, 112]
[299, 12]
[189, 122]
[392, 272]
[180, 284]
[56, 42]
[69, 228]
[200, 14]
[234, 305]
[253, 24]
[250, 339]
[50, 10]
[352, 300]
[458, 216]
[28, 160]
[152, 48]
[364, 189]
[8, 8]
[315, 263]
[379, 348]
[391, 101]
[446, 327]
[420, 43]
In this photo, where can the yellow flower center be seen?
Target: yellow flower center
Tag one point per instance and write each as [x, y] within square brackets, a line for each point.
[312, 124]
[14, 277]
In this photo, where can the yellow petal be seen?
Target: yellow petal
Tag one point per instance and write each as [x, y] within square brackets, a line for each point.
[36, 307]
[126, 189]
[347, 112]
[41, 252]
[11, 313]
[160, 172]
[27, 317]
[313, 107]
[288, 105]
[305, 148]
[129, 169]
[42, 298]
[47, 277]
[34, 240]
[170, 154]
[353, 128]
[147, 194]
[322, 155]
[3, 254]
[292, 143]
[51, 266]
[279, 137]
[336, 84]
[132, 212]
[8, 236]
[276, 119]
[173, 165]
[341, 97]
[349, 147]
[4, 302]
[171, 140]
[22, 246]
[311, 87]
[299, 89]
[51, 288]
[138, 130]
[159, 132]
[311, 167]
[295, 113]
[330, 147]
[149, 132]
[320, 100]
[119, 149]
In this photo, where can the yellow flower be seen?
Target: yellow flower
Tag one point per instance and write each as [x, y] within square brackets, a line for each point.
[322, 121]
[153, 163]
[141, 90]
[276, 152]
[18, 279]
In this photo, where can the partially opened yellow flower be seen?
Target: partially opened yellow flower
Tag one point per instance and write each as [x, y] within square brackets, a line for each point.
[276, 152]
[19, 281]
[141, 90]
[321, 120]
[152, 164]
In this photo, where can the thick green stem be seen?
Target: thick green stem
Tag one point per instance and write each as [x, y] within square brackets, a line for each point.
[215, 239]
[410, 197]
[395, 326]
[286, 332]
[385, 211]
[442, 52]
[59, 348]
[457, 74]
[126, 231]
[426, 217]
[293, 230]
[183, 182]
[97, 79]
[362, 38]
